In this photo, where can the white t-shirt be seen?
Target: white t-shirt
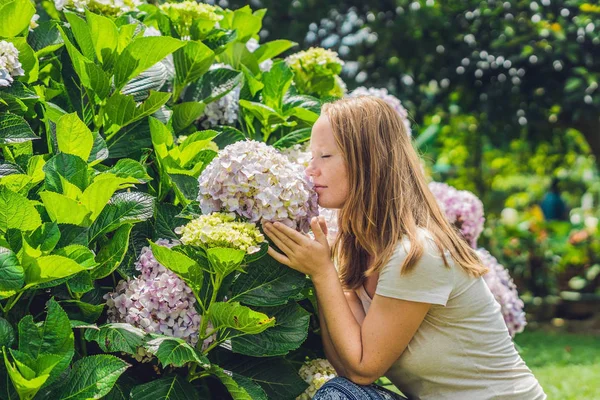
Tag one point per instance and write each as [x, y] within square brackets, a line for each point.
[462, 350]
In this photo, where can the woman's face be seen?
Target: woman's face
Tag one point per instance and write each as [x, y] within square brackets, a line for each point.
[327, 168]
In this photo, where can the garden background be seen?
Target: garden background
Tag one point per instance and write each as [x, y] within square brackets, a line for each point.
[112, 111]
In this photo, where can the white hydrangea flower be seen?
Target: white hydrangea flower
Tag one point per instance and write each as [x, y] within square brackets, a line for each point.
[312, 66]
[9, 63]
[257, 182]
[388, 98]
[33, 22]
[316, 373]
[183, 15]
[108, 7]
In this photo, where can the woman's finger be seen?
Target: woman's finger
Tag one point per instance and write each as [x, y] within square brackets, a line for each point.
[320, 236]
[278, 256]
[294, 236]
[279, 240]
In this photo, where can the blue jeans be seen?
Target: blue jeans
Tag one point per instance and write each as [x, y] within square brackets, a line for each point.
[343, 389]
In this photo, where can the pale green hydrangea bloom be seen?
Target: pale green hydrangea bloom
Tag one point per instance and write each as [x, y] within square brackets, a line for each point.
[312, 66]
[106, 7]
[185, 13]
[221, 230]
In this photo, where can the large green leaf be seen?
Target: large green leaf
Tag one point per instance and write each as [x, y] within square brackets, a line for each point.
[267, 283]
[82, 34]
[15, 16]
[292, 138]
[191, 62]
[136, 58]
[104, 36]
[265, 114]
[272, 49]
[237, 391]
[232, 315]
[7, 333]
[49, 268]
[168, 388]
[99, 151]
[166, 219]
[277, 81]
[128, 168]
[128, 207]
[111, 254]
[90, 74]
[175, 351]
[277, 376]
[184, 114]
[96, 196]
[53, 336]
[122, 110]
[45, 237]
[14, 129]
[187, 183]
[24, 379]
[13, 276]
[68, 166]
[46, 38]
[73, 136]
[154, 78]
[213, 85]
[288, 333]
[228, 135]
[92, 377]
[224, 261]
[17, 212]
[64, 210]
[117, 337]
[189, 270]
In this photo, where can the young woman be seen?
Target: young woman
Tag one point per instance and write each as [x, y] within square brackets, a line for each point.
[407, 299]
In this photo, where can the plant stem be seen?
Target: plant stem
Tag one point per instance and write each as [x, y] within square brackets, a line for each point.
[11, 302]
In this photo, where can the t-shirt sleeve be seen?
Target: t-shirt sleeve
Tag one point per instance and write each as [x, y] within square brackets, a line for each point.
[429, 281]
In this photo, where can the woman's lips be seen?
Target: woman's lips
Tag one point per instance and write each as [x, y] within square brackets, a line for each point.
[318, 188]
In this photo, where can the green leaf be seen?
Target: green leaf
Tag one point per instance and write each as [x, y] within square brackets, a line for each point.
[70, 167]
[292, 138]
[251, 83]
[184, 114]
[64, 210]
[92, 377]
[288, 333]
[191, 62]
[136, 58]
[227, 136]
[278, 377]
[82, 34]
[27, 58]
[7, 334]
[189, 270]
[117, 337]
[49, 268]
[128, 168]
[73, 136]
[53, 336]
[14, 129]
[272, 49]
[186, 183]
[277, 81]
[213, 85]
[27, 386]
[169, 388]
[82, 310]
[154, 78]
[175, 351]
[232, 315]
[218, 39]
[90, 74]
[128, 207]
[111, 255]
[166, 219]
[45, 39]
[267, 283]
[99, 151]
[265, 114]
[82, 283]
[97, 195]
[79, 253]
[104, 37]
[224, 261]
[15, 16]
[237, 391]
[121, 110]
[45, 237]
[72, 234]
[17, 212]
[11, 271]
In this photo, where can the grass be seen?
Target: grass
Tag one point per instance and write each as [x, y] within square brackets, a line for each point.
[566, 365]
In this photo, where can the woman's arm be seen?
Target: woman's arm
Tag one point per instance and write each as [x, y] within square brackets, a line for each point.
[359, 315]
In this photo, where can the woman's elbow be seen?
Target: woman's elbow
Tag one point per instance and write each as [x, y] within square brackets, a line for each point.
[361, 379]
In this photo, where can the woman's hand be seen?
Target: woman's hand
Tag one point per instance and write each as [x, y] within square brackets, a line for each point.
[309, 256]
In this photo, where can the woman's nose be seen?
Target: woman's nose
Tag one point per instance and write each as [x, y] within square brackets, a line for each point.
[310, 170]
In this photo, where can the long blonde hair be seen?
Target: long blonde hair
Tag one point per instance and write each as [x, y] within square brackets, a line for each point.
[389, 198]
